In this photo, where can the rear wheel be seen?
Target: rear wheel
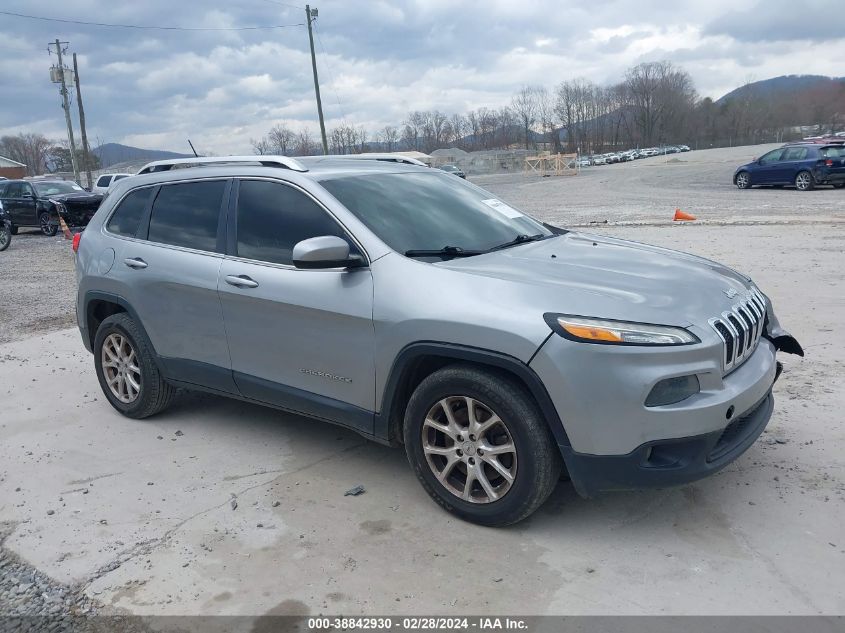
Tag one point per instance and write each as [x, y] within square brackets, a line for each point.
[48, 227]
[743, 180]
[126, 369]
[804, 181]
[479, 445]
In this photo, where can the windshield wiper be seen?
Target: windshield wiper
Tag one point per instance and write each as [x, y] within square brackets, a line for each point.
[519, 239]
[446, 251]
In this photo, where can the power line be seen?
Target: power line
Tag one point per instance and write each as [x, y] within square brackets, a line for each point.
[285, 4]
[329, 69]
[156, 28]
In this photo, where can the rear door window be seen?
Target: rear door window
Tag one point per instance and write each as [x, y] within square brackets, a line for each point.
[103, 181]
[187, 214]
[14, 190]
[795, 153]
[273, 217]
[126, 218]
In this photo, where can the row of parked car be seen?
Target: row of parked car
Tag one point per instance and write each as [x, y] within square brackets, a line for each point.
[630, 155]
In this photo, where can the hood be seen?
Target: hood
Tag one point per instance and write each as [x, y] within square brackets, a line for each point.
[80, 197]
[591, 275]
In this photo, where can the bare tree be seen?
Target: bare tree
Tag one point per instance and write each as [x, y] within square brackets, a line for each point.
[390, 137]
[305, 145]
[260, 146]
[281, 139]
[524, 106]
[33, 150]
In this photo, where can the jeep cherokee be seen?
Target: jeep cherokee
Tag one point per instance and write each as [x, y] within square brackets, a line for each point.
[420, 310]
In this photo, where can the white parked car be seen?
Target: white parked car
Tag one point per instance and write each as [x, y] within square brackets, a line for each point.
[107, 180]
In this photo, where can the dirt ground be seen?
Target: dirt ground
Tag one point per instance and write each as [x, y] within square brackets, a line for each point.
[139, 516]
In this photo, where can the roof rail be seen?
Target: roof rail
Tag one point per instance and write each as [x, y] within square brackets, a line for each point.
[387, 158]
[205, 161]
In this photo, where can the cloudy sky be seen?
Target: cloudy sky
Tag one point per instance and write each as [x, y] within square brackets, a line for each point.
[377, 60]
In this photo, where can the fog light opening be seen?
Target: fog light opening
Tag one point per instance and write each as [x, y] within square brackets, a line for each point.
[673, 390]
[730, 413]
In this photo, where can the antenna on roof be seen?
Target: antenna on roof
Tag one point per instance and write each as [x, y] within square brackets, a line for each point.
[192, 148]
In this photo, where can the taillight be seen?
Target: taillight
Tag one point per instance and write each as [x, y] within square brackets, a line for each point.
[76, 239]
[828, 162]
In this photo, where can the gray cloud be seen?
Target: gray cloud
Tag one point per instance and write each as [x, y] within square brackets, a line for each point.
[781, 21]
[377, 60]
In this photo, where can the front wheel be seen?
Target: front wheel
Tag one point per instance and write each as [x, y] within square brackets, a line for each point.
[804, 181]
[5, 236]
[479, 445]
[126, 369]
[743, 180]
[48, 227]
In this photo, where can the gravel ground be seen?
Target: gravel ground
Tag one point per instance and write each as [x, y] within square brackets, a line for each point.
[25, 591]
[37, 286]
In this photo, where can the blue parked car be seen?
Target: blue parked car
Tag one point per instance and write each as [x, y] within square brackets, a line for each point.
[803, 165]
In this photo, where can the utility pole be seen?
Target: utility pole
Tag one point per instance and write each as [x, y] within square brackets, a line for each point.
[86, 152]
[66, 106]
[309, 16]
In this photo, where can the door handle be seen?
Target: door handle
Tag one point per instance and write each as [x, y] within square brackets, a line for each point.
[135, 262]
[241, 281]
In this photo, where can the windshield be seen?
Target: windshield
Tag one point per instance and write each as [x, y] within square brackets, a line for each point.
[52, 188]
[428, 211]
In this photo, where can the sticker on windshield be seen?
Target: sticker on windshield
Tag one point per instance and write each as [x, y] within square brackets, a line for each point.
[502, 208]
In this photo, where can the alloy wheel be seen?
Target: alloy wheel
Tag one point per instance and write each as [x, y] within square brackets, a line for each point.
[469, 449]
[803, 181]
[120, 368]
[742, 180]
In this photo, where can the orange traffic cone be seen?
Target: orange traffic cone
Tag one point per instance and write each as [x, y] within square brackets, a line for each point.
[680, 216]
[65, 229]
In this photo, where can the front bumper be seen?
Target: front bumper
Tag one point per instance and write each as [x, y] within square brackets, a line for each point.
[664, 463]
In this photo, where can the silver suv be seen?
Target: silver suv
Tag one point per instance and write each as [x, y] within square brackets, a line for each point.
[418, 309]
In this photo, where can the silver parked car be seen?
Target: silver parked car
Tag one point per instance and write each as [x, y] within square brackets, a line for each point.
[420, 310]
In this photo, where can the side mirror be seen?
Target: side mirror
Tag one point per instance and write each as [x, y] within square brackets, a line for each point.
[326, 251]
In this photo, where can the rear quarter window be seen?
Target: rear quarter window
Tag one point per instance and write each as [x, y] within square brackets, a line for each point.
[103, 181]
[126, 218]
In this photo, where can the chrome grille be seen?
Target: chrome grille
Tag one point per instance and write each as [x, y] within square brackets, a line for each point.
[740, 329]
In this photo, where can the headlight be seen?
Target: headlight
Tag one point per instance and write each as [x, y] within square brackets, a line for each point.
[592, 330]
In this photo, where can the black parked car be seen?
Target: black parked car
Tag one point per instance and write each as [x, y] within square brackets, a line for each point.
[39, 203]
[5, 229]
[452, 169]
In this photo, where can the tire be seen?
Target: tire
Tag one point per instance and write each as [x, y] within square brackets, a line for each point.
[5, 237]
[743, 180]
[14, 230]
[48, 227]
[119, 333]
[804, 181]
[534, 463]
[839, 185]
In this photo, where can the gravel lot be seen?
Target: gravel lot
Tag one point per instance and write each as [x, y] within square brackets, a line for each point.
[37, 286]
[119, 516]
